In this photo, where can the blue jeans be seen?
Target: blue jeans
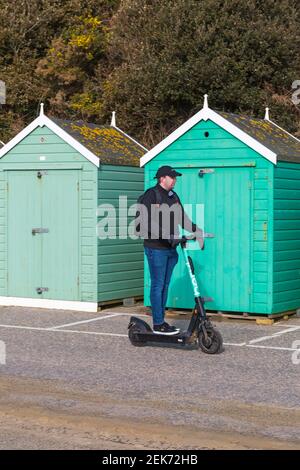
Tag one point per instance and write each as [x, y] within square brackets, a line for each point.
[161, 265]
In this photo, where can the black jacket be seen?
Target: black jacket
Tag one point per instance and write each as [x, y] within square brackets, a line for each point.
[164, 226]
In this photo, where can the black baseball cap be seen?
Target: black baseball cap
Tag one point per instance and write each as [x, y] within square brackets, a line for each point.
[167, 171]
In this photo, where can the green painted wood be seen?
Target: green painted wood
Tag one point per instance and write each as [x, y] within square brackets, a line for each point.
[283, 245]
[119, 276]
[37, 165]
[286, 237]
[260, 277]
[120, 261]
[223, 268]
[122, 267]
[60, 147]
[251, 206]
[280, 307]
[290, 193]
[41, 140]
[287, 225]
[60, 247]
[210, 154]
[24, 269]
[131, 248]
[47, 260]
[199, 134]
[137, 283]
[289, 297]
[288, 204]
[119, 294]
[287, 183]
[290, 275]
[286, 265]
[286, 255]
[199, 144]
[283, 214]
[57, 157]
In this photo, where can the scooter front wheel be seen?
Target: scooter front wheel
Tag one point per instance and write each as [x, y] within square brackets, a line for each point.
[212, 343]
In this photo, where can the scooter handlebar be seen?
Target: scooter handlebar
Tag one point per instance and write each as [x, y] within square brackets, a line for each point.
[183, 240]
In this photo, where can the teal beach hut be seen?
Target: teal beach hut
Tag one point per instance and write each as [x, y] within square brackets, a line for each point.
[54, 175]
[244, 175]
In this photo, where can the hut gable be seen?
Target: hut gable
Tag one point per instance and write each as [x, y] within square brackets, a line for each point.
[105, 144]
[261, 135]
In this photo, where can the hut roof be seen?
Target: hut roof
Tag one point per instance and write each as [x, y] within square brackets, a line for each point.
[286, 147]
[109, 143]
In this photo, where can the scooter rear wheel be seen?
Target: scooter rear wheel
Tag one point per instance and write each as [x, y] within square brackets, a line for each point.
[213, 343]
[133, 337]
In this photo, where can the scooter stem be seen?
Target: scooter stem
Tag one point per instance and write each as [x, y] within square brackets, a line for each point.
[190, 266]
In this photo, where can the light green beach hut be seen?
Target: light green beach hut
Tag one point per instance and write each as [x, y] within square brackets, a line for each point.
[53, 176]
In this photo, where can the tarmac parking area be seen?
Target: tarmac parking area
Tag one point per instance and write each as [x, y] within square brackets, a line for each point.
[82, 364]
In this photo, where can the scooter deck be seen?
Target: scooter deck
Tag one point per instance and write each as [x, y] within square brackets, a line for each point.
[150, 337]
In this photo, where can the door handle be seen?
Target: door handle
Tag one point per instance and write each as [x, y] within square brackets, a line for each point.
[208, 235]
[39, 230]
[42, 289]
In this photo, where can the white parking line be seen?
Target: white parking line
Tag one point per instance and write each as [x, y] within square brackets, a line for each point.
[86, 321]
[89, 333]
[132, 315]
[20, 327]
[294, 328]
[262, 338]
[97, 333]
[272, 347]
[53, 330]
[274, 335]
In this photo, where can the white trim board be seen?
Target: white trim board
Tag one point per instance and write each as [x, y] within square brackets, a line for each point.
[203, 115]
[135, 141]
[48, 303]
[42, 121]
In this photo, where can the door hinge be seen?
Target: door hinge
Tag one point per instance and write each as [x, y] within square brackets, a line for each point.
[249, 289]
[265, 231]
[77, 186]
[77, 280]
[249, 184]
[42, 289]
[7, 186]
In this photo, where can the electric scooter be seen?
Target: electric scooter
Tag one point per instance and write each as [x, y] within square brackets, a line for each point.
[200, 330]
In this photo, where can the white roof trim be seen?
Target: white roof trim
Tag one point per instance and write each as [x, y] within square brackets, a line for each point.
[144, 148]
[281, 128]
[205, 114]
[41, 121]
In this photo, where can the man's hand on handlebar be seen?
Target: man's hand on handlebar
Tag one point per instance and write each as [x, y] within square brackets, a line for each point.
[200, 239]
[174, 242]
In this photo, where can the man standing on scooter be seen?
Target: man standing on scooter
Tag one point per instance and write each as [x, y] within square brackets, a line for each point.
[160, 241]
